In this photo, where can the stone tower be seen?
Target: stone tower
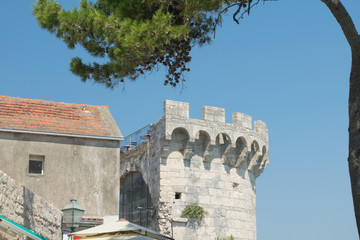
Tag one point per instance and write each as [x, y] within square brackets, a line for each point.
[178, 161]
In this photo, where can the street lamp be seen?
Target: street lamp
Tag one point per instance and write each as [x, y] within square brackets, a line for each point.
[73, 213]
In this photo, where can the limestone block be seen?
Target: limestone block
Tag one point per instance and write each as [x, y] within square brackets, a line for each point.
[204, 200]
[176, 109]
[213, 114]
[211, 231]
[212, 191]
[242, 120]
[260, 128]
[190, 198]
[228, 202]
[215, 200]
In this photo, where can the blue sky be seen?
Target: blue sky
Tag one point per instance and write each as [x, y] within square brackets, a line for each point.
[287, 64]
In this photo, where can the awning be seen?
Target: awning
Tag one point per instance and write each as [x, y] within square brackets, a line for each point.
[121, 229]
[12, 227]
[120, 238]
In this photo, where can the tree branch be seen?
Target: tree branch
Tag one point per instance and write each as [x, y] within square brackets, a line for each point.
[250, 7]
[345, 22]
[237, 12]
[219, 16]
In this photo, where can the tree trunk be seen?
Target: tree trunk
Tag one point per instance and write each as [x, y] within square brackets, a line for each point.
[353, 38]
[354, 135]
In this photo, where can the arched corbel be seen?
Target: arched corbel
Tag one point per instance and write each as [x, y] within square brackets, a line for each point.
[254, 156]
[192, 139]
[165, 149]
[263, 164]
[241, 151]
[188, 152]
[241, 158]
[260, 163]
[203, 139]
[224, 142]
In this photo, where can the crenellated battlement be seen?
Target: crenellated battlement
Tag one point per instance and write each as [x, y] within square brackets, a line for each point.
[212, 122]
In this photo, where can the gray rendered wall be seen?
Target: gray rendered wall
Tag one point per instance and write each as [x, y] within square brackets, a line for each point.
[75, 168]
[22, 206]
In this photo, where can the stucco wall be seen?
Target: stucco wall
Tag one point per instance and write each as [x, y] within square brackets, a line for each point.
[74, 168]
[22, 206]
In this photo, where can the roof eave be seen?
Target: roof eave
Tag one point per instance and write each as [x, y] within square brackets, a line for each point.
[61, 134]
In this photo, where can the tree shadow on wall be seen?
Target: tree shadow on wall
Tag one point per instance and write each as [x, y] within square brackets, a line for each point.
[193, 223]
[28, 213]
[135, 199]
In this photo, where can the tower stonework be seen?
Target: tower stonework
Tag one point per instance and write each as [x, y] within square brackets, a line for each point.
[184, 161]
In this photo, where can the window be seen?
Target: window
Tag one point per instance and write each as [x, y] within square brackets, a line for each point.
[36, 164]
[177, 195]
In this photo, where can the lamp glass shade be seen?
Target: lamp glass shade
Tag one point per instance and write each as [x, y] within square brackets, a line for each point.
[73, 213]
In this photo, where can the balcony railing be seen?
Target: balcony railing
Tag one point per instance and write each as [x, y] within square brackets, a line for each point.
[135, 139]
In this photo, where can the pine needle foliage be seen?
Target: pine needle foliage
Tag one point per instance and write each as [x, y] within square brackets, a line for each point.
[133, 37]
[193, 210]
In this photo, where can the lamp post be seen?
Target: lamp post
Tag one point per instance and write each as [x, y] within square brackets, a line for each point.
[73, 213]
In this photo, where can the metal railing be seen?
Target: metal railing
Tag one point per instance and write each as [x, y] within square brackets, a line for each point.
[135, 139]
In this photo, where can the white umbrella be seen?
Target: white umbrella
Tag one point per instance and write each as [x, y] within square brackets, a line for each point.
[121, 228]
[121, 238]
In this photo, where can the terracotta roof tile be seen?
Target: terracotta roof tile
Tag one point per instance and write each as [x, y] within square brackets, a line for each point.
[56, 117]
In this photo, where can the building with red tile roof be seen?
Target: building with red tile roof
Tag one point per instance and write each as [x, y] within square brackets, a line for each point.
[56, 118]
[62, 151]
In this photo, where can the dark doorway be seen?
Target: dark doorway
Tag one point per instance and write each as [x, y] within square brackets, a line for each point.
[135, 200]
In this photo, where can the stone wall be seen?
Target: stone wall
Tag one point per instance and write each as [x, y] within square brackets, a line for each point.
[146, 160]
[22, 206]
[227, 194]
[207, 161]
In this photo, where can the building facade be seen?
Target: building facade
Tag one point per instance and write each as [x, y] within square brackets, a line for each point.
[179, 161]
[62, 151]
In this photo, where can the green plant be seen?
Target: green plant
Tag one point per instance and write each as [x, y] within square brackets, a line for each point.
[228, 238]
[141, 155]
[193, 210]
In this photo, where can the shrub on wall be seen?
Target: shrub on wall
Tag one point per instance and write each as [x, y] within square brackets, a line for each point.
[193, 210]
[228, 238]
